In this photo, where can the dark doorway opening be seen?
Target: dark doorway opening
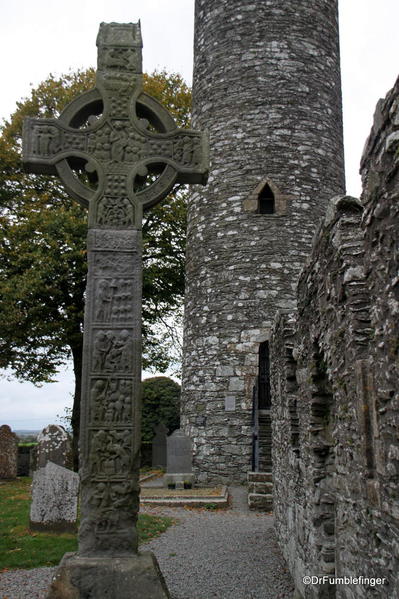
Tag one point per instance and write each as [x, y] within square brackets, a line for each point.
[264, 377]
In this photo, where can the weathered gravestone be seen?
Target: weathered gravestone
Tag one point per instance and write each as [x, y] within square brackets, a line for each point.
[159, 445]
[53, 445]
[134, 155]
[54, 499]
[179, 460]
[8, 453]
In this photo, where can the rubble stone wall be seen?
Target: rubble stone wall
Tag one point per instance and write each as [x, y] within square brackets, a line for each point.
[335, 388]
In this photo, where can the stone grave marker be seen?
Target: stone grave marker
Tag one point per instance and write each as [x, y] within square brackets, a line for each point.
[179, 470]
[53, 445]
[133, 155]
[54, 504]
[8, 453]
[159, 446]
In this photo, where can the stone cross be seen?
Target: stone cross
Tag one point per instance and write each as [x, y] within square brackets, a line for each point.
[133, 155]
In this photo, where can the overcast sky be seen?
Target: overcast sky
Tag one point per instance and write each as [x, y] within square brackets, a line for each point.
[46, 36]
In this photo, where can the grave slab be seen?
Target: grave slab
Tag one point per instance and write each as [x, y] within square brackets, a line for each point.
[54, 499]
[8, 453]
[179, 470]
[53, 445]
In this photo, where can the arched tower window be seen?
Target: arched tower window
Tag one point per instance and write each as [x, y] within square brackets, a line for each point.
[266, 200]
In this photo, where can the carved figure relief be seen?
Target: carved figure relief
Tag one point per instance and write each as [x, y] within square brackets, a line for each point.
[110, 452]
[111, 401]
[46, 140]
[186, 151]
[115, 212]
[119, 141]
[114, 300]
[112, 494]
[99, 143]
[114, 502]
[113, 351]
[104, 300]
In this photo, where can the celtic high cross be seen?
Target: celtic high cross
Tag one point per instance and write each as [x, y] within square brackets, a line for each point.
[135, 154]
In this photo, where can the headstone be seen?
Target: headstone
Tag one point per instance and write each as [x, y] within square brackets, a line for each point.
[54, 499]
[8, 453]
[179, 471]
[134, 154]
[53, 445]
[159, 446]
[23, 460]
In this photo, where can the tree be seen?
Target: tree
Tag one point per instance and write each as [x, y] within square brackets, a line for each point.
[161, 403]
[43, 248]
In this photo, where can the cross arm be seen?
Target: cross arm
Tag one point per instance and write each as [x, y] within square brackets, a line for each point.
[46, 142]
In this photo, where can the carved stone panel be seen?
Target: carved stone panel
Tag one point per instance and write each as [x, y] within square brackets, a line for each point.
[110, 401]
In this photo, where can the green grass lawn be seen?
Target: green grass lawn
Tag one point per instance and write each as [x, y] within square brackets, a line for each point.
[21, 548]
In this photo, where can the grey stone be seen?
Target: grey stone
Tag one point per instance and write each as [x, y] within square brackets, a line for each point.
[134, 135]
[260, 502]
[159, 452]
[53, 445]
[82, 577]
[179, 470]
[179, 453]
[54, 499]
[230, 404]
[8, 453]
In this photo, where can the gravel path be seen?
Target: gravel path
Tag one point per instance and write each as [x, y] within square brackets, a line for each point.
[229, 554]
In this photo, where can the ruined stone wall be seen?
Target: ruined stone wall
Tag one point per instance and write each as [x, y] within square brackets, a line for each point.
[267, 88]
[335, 388]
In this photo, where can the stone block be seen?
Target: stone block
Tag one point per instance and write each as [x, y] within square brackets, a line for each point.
[259, 477]
[138, 576]
[179, 480]
[262, 488]
[54, 499]
[260, 502]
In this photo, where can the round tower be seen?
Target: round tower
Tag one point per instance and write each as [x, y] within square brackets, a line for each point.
[267, 88]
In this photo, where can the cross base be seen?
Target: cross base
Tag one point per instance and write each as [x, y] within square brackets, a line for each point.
[108, 578]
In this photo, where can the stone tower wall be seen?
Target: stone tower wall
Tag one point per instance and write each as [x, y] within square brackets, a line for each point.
[267, 88]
